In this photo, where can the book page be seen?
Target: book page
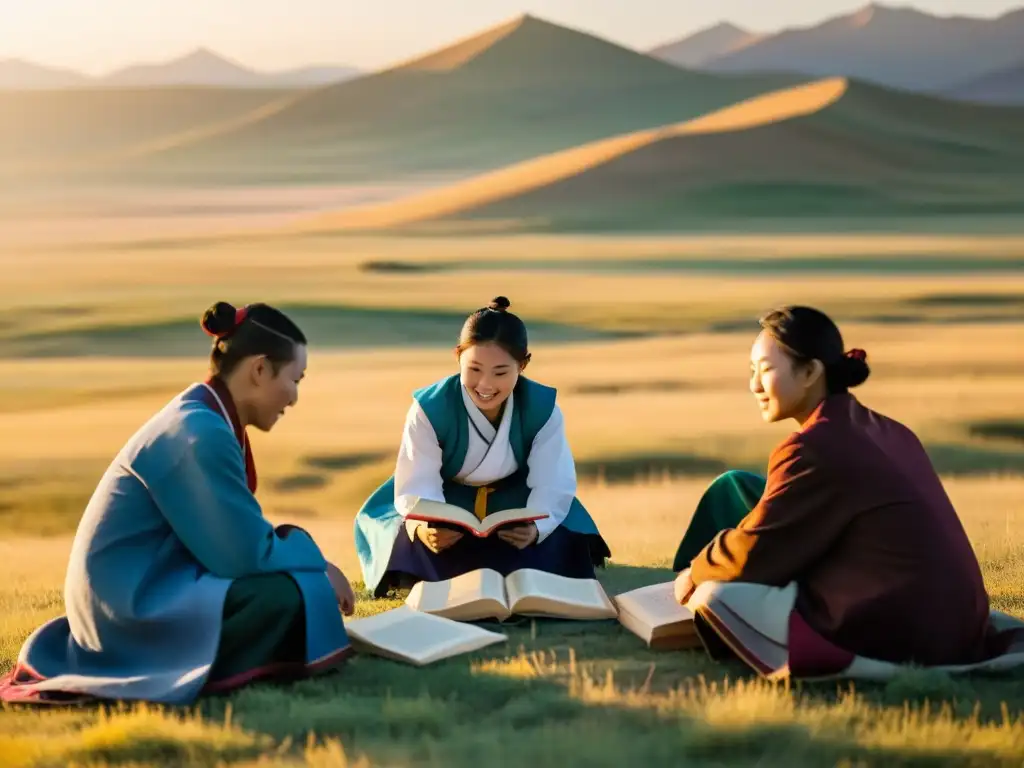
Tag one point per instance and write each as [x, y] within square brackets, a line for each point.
[655, 605]
[507, 516]
[432, 511]
[475, 595]
[532, 592]
[417, 638]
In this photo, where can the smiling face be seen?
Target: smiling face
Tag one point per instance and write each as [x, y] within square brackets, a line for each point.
[489, 374]
[272, 393]
[783, 389]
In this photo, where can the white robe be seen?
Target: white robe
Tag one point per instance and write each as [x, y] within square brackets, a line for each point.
[551, 475]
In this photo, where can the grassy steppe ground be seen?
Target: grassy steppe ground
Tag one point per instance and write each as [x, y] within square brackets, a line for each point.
[651, 367]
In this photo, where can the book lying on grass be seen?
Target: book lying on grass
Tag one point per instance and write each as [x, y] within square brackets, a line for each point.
[403, 634]
[434, 512]
[486, 594]
[653, 615]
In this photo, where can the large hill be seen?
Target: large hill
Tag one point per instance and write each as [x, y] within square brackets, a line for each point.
[514, 91]
[831, 150]
[889, 45]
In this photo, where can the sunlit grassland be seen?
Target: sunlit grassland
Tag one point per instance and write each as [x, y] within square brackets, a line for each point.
[653, 415]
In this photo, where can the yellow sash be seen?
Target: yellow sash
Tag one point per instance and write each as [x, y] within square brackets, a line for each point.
[480, 504]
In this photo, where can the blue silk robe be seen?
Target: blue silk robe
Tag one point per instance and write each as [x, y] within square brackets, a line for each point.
[171, 524]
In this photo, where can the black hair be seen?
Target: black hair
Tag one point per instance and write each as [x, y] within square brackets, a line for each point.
[256, 329]
[494, 323]
[807, 334]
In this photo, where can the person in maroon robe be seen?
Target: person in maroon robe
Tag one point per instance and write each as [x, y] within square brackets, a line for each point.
[852, 512]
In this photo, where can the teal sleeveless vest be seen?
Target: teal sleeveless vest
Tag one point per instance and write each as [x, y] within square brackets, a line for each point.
[378, 522]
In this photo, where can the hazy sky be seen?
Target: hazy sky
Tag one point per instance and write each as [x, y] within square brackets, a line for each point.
[273, 34]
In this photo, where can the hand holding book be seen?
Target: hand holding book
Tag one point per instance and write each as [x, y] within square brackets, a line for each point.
[683, 587]
[437, 539]
[449, 516]
[520, 536]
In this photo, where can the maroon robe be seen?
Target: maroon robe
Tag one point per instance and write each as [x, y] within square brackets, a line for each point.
[854, 512]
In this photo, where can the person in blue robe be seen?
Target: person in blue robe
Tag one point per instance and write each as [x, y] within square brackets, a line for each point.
[177, 585]
[486, 439]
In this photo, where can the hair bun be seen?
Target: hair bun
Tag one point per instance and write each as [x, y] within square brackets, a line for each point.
[499, 303]
[853, 368]
[220, 319]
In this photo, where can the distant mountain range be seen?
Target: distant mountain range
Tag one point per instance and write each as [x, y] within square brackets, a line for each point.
[201, 67]
[898, 47]
[1005, 86]
[895, 46]
[511, 92]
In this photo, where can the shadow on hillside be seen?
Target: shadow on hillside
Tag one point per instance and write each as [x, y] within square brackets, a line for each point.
[327, 327]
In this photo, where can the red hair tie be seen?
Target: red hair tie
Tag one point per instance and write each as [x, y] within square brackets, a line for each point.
[240, 315]
[857, 354]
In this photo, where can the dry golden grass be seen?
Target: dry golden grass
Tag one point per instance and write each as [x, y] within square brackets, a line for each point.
[651, 421]
[568, 692]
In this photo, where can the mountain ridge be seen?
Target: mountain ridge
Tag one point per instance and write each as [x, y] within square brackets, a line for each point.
[894, 46]
[199, 66]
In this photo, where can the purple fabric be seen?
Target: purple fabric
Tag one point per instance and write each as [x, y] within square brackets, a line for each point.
[563, 552]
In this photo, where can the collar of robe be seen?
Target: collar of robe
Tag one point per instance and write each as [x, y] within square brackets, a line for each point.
[218, 397]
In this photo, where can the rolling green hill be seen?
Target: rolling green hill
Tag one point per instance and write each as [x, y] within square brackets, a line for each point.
[832, 150]
[507, 94]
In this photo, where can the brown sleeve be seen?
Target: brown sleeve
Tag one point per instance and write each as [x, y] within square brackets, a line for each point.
[795, 522]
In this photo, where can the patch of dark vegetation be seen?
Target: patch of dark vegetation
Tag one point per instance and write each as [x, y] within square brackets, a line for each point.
[998, 430]
[298, 482]
[327, 327]
[637, 466]
[968, 460]
[853, 264]
[969, 300]
[393, 266]
[340, 462]
[614, 388]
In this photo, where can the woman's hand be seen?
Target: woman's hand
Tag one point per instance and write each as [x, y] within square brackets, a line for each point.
[683, 587]
[521, 536]
[437, 539]
[342, 589]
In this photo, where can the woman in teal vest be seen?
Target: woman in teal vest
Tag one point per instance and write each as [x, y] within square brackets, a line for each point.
[485, 439]
[177, 585]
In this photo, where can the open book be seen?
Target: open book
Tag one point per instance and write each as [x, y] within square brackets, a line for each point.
[485, 594]
[416, 638]
[434, 512]
[653, 614]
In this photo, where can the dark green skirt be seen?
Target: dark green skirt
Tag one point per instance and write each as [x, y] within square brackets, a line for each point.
[264, 623]
[728, 499]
